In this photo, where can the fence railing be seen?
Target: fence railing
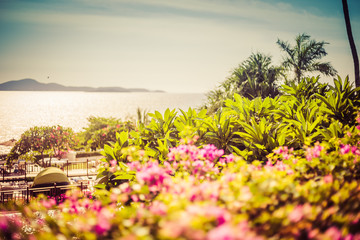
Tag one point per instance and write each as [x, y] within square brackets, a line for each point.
[27, 193]
[25, 169]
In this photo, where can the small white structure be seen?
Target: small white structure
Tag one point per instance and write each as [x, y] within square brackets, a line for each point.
[71, 156]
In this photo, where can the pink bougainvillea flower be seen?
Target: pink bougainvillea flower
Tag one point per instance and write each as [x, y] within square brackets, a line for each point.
[314, 152]
[344, 149]
[153, 175]
[297, 214]
[48, 203]
[158, 208]
[103, 222]
[113, 163]
[328, 178]
[3, 223]
[333, 233]
[225, 232]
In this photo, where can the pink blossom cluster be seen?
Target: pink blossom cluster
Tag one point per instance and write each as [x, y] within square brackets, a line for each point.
[284, 152]
[228, 231]
[183, 152]
[280, 166]
[10, 226]
[314, 152]
[198, 162]
[210, 153]
[193, 153]
[153, 175]
[344, 149]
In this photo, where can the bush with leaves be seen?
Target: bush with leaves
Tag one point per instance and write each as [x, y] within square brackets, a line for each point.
[101, 131]
[43, 140]
[200, 193]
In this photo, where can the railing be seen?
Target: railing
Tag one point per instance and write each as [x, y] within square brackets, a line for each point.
[26, 169]
[27, 193]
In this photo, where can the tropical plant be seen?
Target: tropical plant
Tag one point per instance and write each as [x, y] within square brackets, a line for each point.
[191, 121]
[342, 101]
[300, 123]
[115, 171]
[305, 89]
[244, 109]
[158, 135]
[304, 55]
[200, 193]
[101, 131]
[221, 132]
[42, 140]
[254, 77]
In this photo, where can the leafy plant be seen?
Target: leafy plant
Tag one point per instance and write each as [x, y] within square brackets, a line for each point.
[101, 131]
[42, 140]
[221, 132]
[305, 89]
[159, 134]
[260, 137]
[191, 120]
[342, 101]
[115, 170]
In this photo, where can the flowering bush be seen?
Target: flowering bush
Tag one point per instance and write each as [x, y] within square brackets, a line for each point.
[54, 140]
[200, 193]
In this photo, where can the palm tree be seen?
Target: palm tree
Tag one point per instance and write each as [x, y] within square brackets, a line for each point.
[351, 42]
[256, 76]
[303, 56]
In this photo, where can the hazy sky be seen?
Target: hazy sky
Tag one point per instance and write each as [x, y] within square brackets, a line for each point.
[171, 45]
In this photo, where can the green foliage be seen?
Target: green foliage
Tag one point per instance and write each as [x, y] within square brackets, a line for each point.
[303, 56]
[101, 131]
[115, 171]
[159, 134]
[191, 121]
[43, 140]
[305, 89]
[309, 193]
[254, 77]
[342, 101]
[221, 131]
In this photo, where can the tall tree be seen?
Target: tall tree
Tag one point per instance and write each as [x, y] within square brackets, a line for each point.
[304, 55]
[256, 77]
[352, 43]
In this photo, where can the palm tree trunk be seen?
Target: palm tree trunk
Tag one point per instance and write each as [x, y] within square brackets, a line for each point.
[352, 43]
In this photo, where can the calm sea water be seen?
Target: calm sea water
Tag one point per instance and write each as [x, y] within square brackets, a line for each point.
[21, 110]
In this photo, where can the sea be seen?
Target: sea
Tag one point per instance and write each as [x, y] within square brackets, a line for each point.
[20, 110]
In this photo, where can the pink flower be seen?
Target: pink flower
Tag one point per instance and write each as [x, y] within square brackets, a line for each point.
[153, 175]
[297, 214]
[3, 223]
[344, 149]
[328, 178]
[314, 152]
[103, 225]
[355, 151]
[229, 158]
[333, 233]
[48, 203]
[224, 232]
[158, 208]
[113, 163]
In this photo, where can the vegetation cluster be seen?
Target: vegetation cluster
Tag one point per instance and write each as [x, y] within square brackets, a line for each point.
[261, 162]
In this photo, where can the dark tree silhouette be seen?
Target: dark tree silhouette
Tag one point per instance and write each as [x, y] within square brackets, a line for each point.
[352, 43]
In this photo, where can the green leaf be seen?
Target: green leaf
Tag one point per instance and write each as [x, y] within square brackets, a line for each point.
[100, 186]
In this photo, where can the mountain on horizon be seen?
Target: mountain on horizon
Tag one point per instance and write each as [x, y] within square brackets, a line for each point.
[29, 84]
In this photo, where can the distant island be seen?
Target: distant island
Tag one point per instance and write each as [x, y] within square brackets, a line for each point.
[29, 84]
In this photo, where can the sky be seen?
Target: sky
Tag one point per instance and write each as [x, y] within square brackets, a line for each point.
[186, 46]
